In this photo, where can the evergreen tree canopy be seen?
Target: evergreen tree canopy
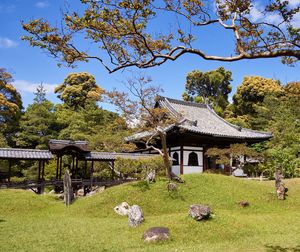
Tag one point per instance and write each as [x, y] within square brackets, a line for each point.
[78, 89]
[10, 99]
[251, 94]
[213, 85]
[37, 126]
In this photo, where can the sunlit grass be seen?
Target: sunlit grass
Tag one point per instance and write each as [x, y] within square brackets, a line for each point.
[29, 222]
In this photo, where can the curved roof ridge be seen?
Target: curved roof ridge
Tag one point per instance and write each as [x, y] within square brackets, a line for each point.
[187, 103]
[236, 126]
[212, 111]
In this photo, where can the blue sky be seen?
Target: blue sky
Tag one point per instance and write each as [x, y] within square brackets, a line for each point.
[30, 66]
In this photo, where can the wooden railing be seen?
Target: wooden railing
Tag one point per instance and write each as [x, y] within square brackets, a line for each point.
[28, 184]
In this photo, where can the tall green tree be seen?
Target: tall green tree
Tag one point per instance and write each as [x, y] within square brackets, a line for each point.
[213, 86]
[250, 95]
[119, 31]
[10, 105]
[38, 124]
[78, 89]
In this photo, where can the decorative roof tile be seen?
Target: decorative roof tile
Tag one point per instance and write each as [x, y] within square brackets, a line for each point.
[113, 156]
[202, 119]
[32, 154]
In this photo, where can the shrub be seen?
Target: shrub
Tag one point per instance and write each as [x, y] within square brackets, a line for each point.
[138, 168]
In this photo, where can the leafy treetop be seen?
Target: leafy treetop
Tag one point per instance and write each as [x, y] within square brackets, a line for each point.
[78, 89]
[213, 86]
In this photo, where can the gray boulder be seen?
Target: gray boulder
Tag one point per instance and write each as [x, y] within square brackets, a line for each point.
[122, 209]
[135, 216]
[80, 192]
[155, 234]
[200, 212]
[150, 177]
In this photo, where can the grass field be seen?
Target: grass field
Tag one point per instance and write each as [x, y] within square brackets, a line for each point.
[30, 222]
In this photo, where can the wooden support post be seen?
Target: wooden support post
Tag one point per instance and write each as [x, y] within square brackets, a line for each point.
[113, 169]
[43, 169]
[85, 169]
[76, 165]
[91, 173]
[60, 167]
[39, 171]
[57, 165]
[74, 172]
[181, 159]
[9, 170]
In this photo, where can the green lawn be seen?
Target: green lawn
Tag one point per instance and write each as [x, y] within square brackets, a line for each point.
[29, 222]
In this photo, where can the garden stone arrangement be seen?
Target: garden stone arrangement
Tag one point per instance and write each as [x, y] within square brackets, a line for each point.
[200, 212]
[156, 234]
[134, 213]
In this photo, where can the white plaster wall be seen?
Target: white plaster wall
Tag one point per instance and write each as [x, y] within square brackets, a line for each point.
[192, 169]
[176, 169]
[186, 157]
[193, 148]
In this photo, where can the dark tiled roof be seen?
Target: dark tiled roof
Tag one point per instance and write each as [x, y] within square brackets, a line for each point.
[11, 153]
[202, 119]
[58, 145]
[113, 156]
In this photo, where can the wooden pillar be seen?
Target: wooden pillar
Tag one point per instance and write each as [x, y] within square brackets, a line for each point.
[91, 173]
[9, 170]
[39, 170]
[85, 169]
[74, 172]
[60, 166]
[113, 169]
[181, 159]
[43, 169]
[57, 165]
[76, 165]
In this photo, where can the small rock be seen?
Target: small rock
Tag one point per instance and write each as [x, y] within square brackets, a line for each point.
[91, 193]
[244, 203]
[80, 192]
[135, 216]
[100, 189]
[171, 186]
[122, 209]
[60, 196]
[200, 212]
[150, 177]
[52, 192]
[155, 234]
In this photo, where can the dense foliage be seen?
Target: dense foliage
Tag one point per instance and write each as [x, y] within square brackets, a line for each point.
[212, 86]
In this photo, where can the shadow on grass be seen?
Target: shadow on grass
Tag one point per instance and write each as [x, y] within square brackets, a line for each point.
[2, 220]
[277, 248]
[142, 185]
[176, 195]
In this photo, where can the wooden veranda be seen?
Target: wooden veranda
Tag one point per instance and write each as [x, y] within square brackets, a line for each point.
[78, 152]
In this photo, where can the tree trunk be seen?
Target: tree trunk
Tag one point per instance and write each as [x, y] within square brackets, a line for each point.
[165, 155]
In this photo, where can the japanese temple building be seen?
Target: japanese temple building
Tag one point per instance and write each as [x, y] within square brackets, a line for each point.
[200, 128]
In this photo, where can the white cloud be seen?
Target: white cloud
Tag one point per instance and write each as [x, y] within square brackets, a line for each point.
[294, 3]
[30, 87]
[256, 12]
[296, 20]
[42, 4]
[7, 43]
